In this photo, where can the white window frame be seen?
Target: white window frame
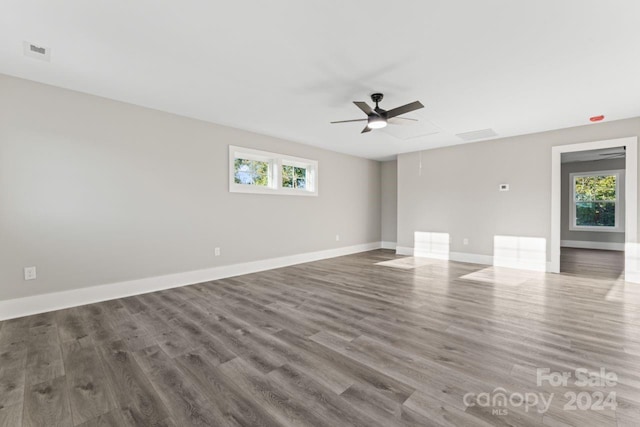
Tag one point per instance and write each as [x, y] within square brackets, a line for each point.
[310, 180]
[619, 227]
[275, 161]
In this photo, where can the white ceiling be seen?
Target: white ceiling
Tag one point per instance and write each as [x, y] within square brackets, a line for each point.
[287, 67]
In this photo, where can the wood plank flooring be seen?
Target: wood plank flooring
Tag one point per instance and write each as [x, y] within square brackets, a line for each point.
[592, 263]
[336, 342]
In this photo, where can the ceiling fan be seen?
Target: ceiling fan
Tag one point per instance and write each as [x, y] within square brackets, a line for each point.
[378, 118]
[615, 155]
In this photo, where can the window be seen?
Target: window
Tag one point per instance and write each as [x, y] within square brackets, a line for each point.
[595, 201]
[251, 172]
[294, 176]
[254, 171]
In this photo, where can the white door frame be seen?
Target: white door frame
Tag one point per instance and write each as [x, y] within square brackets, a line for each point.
[630, 194]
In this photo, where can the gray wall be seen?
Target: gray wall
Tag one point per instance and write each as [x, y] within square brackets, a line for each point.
[389, 187]
[589, 236]
[94, 191]
[457, 192]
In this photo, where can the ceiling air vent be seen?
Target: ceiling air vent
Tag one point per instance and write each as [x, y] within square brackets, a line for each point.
[37, 51]
[477, 134]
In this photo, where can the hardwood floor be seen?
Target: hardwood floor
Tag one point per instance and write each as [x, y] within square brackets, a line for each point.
[336, 342]
[592, 263]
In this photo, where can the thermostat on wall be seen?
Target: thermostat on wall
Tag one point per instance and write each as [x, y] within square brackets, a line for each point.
[504, 187]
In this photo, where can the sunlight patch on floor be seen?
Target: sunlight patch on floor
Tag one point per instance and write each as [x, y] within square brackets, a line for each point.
[617, 291]
[407, 263]
[503, 276]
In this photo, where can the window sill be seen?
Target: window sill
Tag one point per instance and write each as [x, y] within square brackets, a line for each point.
[598, 229]
[252, 189]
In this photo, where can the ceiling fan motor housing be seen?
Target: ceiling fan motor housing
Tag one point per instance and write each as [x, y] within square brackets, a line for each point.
[377, 97]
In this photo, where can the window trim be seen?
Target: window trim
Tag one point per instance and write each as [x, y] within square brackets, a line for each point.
[619, 227]
[275, 161]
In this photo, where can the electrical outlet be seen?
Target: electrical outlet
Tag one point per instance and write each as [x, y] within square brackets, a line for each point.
[217, 251]
[29, 273]
[465, 241]
[337, 237]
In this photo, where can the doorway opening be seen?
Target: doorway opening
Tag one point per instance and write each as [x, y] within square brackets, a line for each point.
[593, 212]
[594, 208]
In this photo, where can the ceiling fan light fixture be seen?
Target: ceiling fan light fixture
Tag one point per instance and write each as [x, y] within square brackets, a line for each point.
[377, 123]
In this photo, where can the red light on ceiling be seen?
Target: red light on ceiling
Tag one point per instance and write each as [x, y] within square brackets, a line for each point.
[596, 118]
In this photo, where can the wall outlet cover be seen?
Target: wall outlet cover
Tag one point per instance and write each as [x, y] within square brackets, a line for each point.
[29, 273]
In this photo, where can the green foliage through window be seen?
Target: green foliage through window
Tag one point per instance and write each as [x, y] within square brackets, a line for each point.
[251, 172]
[595, 200]
[294, 177]
[596, 214]
[595, 188]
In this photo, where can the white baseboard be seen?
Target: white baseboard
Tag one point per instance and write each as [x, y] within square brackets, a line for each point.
[432, 255]
[388, 245]
[451, 256]
[42, 303]
[632, 262]
[475, 259]
[404, 250]
[471, 258]
[606, 246]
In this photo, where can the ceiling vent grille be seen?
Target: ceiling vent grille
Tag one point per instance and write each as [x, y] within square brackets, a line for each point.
[37, 51]
[477, 134]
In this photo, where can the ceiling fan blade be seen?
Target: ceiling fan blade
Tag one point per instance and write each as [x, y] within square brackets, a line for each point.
[402, 121]
[405, 109]
[365, 108]
[347, 121]
[366, 129]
